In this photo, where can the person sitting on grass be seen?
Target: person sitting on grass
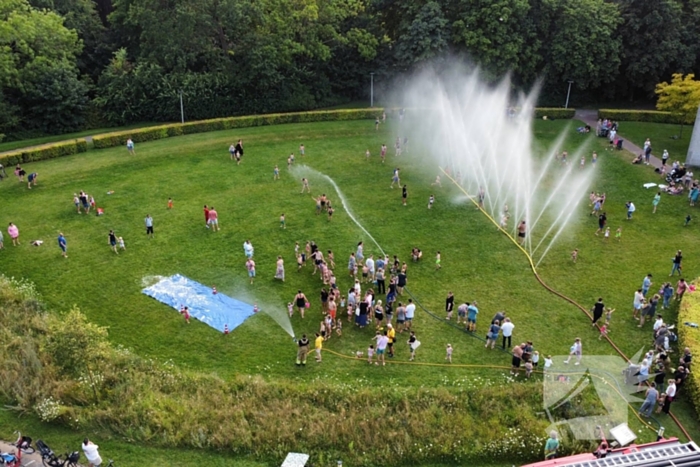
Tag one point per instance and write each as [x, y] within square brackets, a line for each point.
[638, 159]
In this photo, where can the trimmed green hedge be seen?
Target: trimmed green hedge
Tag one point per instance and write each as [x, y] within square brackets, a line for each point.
[43, 152]
[652, 116]
[176, 129]
[689, 312]
[554, 113]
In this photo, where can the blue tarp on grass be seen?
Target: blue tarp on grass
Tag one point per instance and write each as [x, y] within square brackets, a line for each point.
[216, 310]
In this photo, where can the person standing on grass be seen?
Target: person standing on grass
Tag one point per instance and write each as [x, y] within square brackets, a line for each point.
[404, 194]
[352, 265]
[13, 232]
[667, 292]
[677, 266]
[62, 244]
[130, 147]
[206, 216]
[383, 152]
[602, 221]
[401, 317]
[637, 303]
[303, 350]
[449, 304]
[630, 209]
[91, 453]
[112, 240]
[413, 344]
[551, 446]
[248, 249]
[649, 310]
[670, 395]
[650, 398]
[522, 230]
[300, 302]
[507, 330]
[655, 201]
[279, 273]
[516, 360]
[681, 287]
[472, 312]
[646, 284]
[149, 225]
[410, 313]
[31, 179]
[492, 335]
[576, 350]
[395, 178]
[382, 343]
[598, 310]
[250, 266]
[213, 219]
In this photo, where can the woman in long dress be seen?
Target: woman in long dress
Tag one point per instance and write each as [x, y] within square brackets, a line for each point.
[280, 269]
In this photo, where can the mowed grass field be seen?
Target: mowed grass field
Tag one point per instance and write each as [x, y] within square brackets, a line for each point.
[478, 262]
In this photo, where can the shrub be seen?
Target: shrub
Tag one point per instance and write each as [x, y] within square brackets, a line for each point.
[46, 151]
[651, 116]
[554, 113]
[690, 313]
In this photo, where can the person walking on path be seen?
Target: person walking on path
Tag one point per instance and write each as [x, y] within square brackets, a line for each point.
[303, 350]
[62, 244]
[677, 266]
[90, 450]
[650, 398]
[507, 330]
[13, 232]
[598, 310]
[576, 350]
[149, 225]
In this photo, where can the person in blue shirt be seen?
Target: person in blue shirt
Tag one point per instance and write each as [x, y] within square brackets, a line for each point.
[646, 283]
[472, 311]
[63, 245]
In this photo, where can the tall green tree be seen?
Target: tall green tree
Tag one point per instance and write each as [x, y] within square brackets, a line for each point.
[681, 97]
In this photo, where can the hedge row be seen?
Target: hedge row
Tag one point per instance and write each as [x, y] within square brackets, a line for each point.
[690, 337]
[652, 116]
[176, 129]
[43, 152]
[554, 113]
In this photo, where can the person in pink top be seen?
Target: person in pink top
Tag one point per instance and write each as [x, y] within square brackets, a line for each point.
[14, 233]
[213, 219]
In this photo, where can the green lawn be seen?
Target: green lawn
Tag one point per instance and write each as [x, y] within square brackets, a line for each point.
[478, 263]
[661, 136]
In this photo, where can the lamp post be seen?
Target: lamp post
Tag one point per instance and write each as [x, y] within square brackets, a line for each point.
[568, 93]
[182, 109]
[371, 90]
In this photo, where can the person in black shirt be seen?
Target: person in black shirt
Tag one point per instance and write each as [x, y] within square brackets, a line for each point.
[598, 310]
[303, 350]
[677, 263]
[602, 220]
[404, 194]
[449, 304]
[113, 241]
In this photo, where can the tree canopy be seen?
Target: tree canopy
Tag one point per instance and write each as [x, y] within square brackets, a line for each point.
[127, 60]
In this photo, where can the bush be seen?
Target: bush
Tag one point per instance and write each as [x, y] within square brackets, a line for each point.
[46, 151]
[554, 113]
[690, 313]
[651, 116]
[175, 129]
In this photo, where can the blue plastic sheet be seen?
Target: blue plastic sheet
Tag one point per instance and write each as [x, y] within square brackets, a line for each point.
[216, 310]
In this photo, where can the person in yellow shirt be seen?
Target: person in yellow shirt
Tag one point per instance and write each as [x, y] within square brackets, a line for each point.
[391, 334]
[319, 346]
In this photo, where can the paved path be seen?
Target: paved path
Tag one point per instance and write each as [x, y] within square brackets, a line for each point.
[590, 117]
[33, 460]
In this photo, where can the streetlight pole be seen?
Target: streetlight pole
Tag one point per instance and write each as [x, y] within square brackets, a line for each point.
[182, 109]
[568, 93]
[371, 90]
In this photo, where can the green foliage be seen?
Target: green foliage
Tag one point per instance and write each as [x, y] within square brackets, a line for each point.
[652, 116]
[681, 98]
[554, 112]
[46, 151]
[425, 37]
[690, 313]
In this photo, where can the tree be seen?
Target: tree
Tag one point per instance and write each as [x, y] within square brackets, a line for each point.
[681, 97]
[425, 37]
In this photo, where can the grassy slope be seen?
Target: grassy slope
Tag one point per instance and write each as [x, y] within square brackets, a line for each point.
[477, 262]
[661, 137]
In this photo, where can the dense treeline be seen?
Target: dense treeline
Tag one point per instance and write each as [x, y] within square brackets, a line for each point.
[67, 64]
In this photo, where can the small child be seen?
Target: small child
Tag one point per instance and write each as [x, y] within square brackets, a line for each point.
[594, 158]
[120, 241]
[367, 154]
[437, 182]
[339, 327]
[170, 203]
[618, 234]
[318, 344]
[370, 353]
[608, 316]
[535, 359]
[342, 302]
[276, 173]
[76, 201]
[300, 262]
[329, 326]
[448, 353]
[603, 331]
[661, 402]
[528, 369]
[431, 200]
[548, 362]
[186, 313]
[574, 255]
[323, 330]
[255, 308]
[607, 233]
[283, 223]
[583, 161]
[92, 202]
[687, 220]
[290, 309]
[438, 259]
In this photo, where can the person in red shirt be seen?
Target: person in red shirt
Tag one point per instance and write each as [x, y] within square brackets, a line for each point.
[206, 216]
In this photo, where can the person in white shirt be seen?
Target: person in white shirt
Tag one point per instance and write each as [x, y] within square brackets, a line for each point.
[410, 312]
[90, 450]
[507, 330]
[658, 323]
[370, 265]
[670, 395]
[637, 304]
